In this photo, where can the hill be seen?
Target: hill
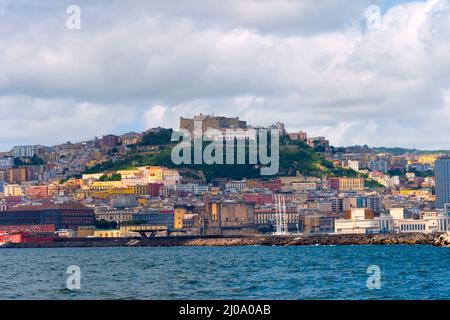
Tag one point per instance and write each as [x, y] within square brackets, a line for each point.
[295, 157]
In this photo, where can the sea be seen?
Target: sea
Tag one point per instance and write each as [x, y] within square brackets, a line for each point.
[402, 272]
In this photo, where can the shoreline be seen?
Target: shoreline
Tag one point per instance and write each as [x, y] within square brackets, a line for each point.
[230, 241]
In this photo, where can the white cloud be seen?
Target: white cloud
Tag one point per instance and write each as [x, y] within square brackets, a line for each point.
[155, 116]
[311, 65]
[25, 120]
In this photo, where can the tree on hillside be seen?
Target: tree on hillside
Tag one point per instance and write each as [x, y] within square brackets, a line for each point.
[158, 138]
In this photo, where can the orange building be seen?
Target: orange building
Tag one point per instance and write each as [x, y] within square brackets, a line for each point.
[16, 175]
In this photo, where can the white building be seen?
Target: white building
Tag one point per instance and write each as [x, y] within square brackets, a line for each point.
[397, 213]
[353, 164]
[190, 188]
[357, 224]
[13, 190]
[236, 186]
[432, 221]
[219, 135]
[393, 222]
[26, 151]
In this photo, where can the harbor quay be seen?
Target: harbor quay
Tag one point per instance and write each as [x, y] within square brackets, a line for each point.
[228, 241]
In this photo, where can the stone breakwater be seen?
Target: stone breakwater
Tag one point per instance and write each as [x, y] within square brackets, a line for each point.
[443, 240]
[260, 240]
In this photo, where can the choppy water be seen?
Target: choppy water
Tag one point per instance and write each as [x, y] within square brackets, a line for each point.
[407, 272]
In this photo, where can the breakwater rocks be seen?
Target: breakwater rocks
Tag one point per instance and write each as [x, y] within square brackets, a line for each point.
[325, 240]
[227, 241]
[443, 240]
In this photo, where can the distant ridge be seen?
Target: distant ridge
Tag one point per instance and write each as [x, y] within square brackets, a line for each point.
[399, 151]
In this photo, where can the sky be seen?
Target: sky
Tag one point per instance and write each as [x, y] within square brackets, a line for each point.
[317, 66]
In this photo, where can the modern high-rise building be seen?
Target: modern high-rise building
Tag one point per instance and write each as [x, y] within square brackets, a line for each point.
[442, 174]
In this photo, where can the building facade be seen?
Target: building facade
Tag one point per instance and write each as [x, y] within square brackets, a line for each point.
[442, 173]
[65, 216]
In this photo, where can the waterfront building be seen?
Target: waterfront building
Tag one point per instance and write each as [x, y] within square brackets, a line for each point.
[180, 212]
[316, 224]
[225, 216]
[266, 215]
[118, 215]
[107, 234]
[438, 223]
[360, 221]
[394, 221]
[85, 231]
[26, 237]
[156, 218]
[66, 233]
[64, 216]
[35, 228]
[135, 231]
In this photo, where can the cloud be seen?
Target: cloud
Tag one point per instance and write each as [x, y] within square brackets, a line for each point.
[155, 116]
[43, 121]
[312, 65]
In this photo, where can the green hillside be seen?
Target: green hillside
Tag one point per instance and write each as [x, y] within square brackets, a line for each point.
[294, 157]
